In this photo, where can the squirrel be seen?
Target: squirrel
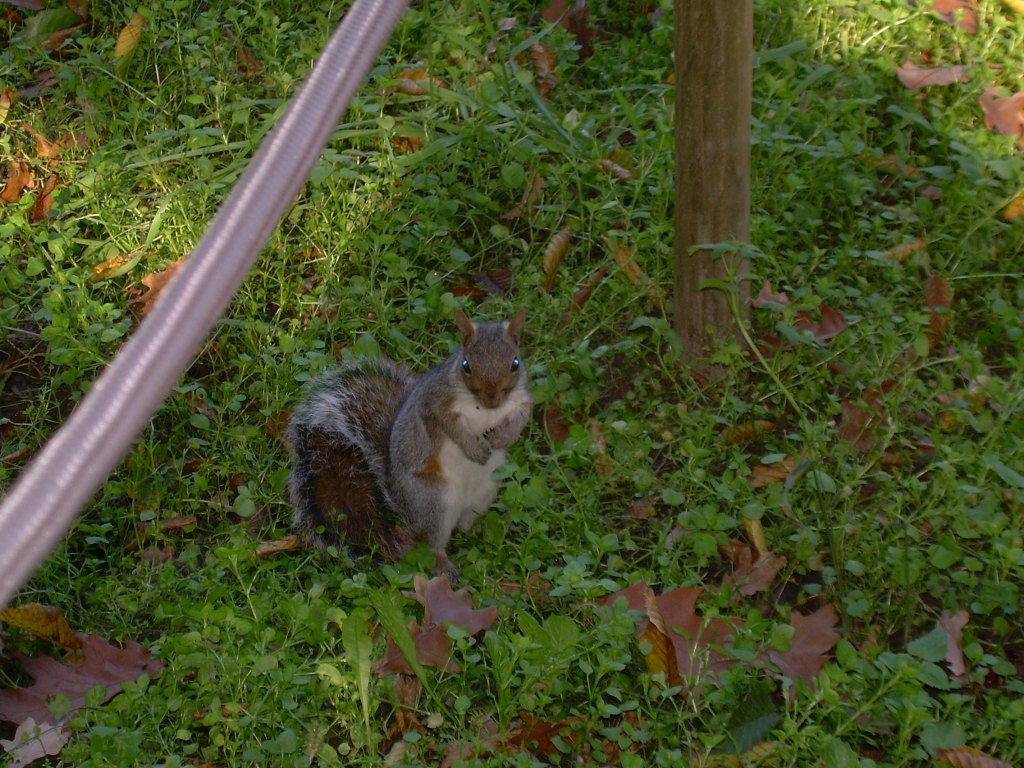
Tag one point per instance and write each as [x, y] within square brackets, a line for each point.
[383, 458]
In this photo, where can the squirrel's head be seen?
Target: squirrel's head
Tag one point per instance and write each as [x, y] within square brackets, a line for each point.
[490, 366]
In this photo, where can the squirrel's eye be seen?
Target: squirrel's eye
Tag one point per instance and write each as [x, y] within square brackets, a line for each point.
[515, 364]
[465, 366]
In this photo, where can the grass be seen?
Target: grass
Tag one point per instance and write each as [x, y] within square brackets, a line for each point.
[378, 251]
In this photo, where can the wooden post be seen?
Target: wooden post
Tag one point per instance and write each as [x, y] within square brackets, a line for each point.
[714, 41]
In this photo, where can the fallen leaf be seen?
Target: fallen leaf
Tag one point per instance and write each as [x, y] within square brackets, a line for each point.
[1015, 209]
[766, 474]
[618, 165]
[576, 20]
[415, 82]
[582, 296]
[969, 757]
[752, 573]
[116, 265]
[43, 621]
[245, 59]
[959, 12]
[860, 422]
[555, 425]
[44, 200]
[406, 145]
[129, 37]
[1005, 114]
[19, 178]
[100, 664]
[768, 298]
[496, 282]
[33, 742]
[6, 97]
[747, 432]
[914, 77]
[443, 606]
[901, 251]
[938, 297]
[533, 192]
[953, 625]
[636, 275]
[814, 636]
[542, 56]
[156, 555]
[285, 544]
[553, 256]
[831, 324]
[155, 283]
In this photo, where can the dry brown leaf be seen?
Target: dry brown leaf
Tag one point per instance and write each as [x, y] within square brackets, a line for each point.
[555, 425]
[19, 178]
[110, 266]
[1004, 113]
[44, 200]
[582, 296]
[903, 250]
[415, 82]
[542, 56]
[767, 474]
[533, 192]
[155, 283]
[969, 757]
[101, 664]
[618, 165]
[890, 164]
[248, 64]
[553, 256]
[747, 432]
[406, 145]
[636, 275]
[285, 544]
[859, 423]
[129, 37]
[938, 297]
[6, 98]
[914, 77]
[177, 523]
[43, 621]
[1015, 209]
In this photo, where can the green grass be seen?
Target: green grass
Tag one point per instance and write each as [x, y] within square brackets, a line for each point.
[373, 254]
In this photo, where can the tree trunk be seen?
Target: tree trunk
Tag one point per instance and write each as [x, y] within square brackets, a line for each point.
[714, 41]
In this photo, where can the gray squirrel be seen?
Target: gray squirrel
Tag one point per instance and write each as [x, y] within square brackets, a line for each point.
[383, 458]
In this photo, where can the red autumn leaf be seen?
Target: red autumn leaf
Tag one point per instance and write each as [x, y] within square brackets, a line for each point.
[859, 422]
[101, 664]
[582, 296]
[576, 20]
[814, 636]
[953, 625]
[831, 324]
[767, 474]
[1004, 113]
[959, 12]
[443, 606]
[752, 573]
[766, 297]
[914, 77]
[555, 425]
[969, 757]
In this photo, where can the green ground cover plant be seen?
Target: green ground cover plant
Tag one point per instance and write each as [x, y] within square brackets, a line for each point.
[868, 437]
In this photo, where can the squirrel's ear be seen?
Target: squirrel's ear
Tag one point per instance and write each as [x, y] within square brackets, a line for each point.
[514, 327]
[465, 325]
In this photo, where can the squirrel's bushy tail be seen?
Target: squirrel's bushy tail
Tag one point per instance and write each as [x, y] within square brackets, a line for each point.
[340, 436]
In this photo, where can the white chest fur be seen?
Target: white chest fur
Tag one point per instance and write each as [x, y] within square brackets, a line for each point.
[470, 486]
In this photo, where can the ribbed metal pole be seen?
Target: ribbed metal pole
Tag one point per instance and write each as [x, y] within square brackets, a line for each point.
[53, 488]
